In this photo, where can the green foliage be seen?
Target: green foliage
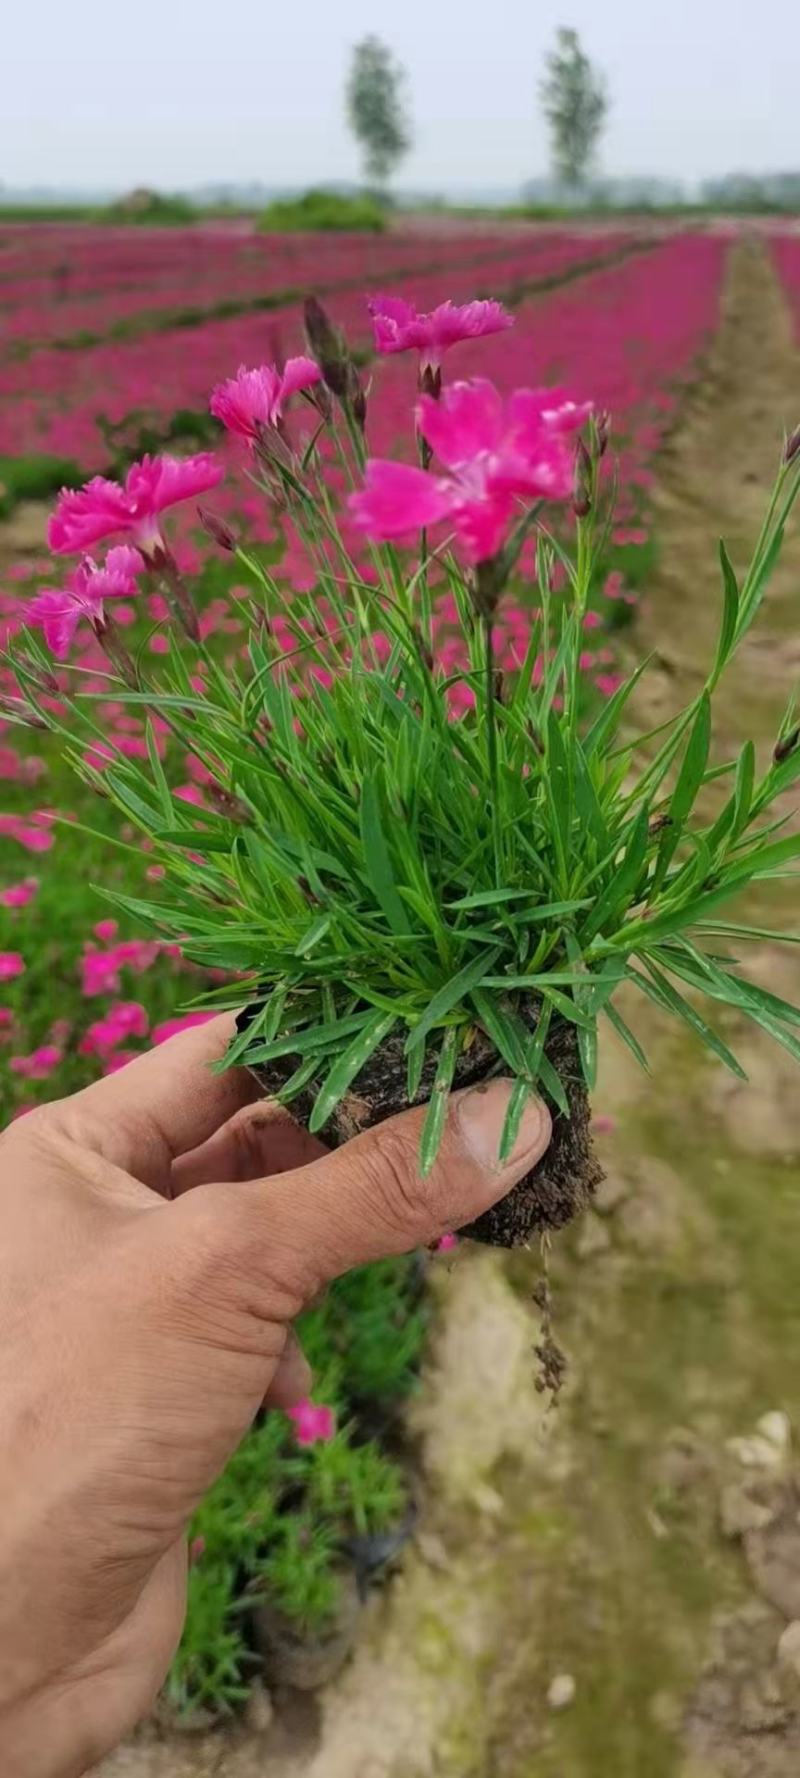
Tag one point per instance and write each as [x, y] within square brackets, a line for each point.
[34, 478]
[376, 110]
[149, 209]
[274, 1524]
[575, 104]
[321, 210]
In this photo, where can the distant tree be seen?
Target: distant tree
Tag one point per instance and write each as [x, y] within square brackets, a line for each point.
[575, 103]
[376, 109]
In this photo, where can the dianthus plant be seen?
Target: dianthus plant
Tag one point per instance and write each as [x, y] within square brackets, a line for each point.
[399, 847]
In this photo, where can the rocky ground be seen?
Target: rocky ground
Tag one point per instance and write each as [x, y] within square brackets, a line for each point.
[612, 1587]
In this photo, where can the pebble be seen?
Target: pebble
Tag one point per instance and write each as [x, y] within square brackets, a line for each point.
[739, 1512]
[258, 1711]
[789, 1649]
[487, 1500]
[561, 1691]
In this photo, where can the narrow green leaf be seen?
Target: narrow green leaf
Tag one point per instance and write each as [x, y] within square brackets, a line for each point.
[377, 858]
[552, 1084]
[451, 994]
[373, 1032]
[730, 613]
[624, 1031]
[437, 1108]
[665, 995]
[415, 1065]
[587, 1050]
[613, 903]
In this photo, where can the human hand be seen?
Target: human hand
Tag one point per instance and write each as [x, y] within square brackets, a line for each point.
[160, 1234]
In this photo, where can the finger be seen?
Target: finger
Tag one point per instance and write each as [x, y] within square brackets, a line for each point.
[367, 1199]
[292, 1380]
[160, 1105]
[258, 1141]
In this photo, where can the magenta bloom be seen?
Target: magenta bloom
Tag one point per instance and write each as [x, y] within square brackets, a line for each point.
[11, 964]
[99, 509]
[494, 452]
[398, 327]
[60, 610]
[312, 1421]
[256, 398]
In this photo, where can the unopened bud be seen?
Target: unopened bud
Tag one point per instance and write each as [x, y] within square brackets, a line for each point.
[603, 431]
[430, 381]
[786, 746]
[487, 586]
[19, 710]
[328, 348]
[217, 528]
[792, 446]
[227, 803]
[582, 496]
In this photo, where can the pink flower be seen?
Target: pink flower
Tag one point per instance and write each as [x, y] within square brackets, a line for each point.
[446, 1243]
[59, 611]
[256, 398]
[19, 894]
[312, 1421]
[603, 1123]
[171, 1027]
[11, 964]
[105, 929]
[38, 1064]
[102, 507]
[398, 326]
[126, 1019]
[495, 451]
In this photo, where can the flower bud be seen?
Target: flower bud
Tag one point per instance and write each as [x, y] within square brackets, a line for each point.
[328, 347]
[792, 446]
[19, 710]
[487, 586]
[582, 496]
[603, 431]
[786, 746]
[217, 528]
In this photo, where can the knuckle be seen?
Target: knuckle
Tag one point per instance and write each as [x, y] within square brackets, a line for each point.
[393, 1177]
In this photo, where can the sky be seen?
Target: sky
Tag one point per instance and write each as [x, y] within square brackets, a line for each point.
[178, 93]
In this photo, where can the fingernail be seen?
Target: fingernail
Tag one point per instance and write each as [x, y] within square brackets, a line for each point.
[481, 1113]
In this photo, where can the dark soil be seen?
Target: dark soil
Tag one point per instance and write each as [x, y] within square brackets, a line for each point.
[549, 1196]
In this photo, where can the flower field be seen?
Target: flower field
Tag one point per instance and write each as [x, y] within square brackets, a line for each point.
[112, 341]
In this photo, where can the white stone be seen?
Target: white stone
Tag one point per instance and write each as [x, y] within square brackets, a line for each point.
[776, 1428]
[789, 1648]
[756, 1452]
[561, 1691]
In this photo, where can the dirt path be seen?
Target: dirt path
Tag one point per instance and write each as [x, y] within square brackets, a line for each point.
[587, 1546]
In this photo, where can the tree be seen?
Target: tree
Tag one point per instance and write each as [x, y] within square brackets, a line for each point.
[376, 110]
[576, 104]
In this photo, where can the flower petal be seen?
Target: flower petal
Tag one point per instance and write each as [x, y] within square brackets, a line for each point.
[397, 499]
[467, 422]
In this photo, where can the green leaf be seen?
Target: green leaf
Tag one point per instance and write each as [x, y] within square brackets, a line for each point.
[437, 1108]
[507, 1032]
[377, 858]
[587, 1050]
[690, 777]
[659, 989]
[518, 1099]
[615, 899]
[552, 1084]
[730, 613]
[451, 995]
[624, 1031]
[373, 1032]
[162, 787]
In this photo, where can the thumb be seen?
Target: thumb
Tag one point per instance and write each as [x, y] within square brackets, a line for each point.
[368, 1200]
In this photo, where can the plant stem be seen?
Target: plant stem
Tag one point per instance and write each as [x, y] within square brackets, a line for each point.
[491, 749]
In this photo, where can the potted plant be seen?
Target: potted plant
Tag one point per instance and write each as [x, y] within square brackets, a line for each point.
[421, 869]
